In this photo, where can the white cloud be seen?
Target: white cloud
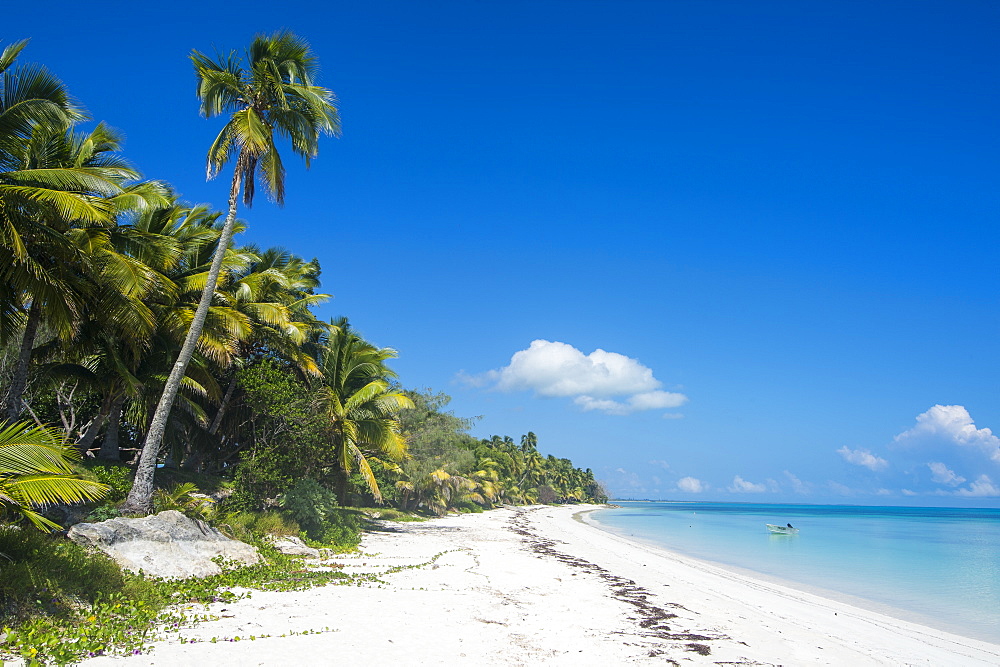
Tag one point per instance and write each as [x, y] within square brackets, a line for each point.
[981, 488]
[797, 484]
[951, 424]
[588, 403]
[691, 485]
[656, 400]
[883, 492]
[551, 368]
[660, 463]
[604, 381]
[863, 457]
[741, 485]
[907, 492]
[942, 475]
[651, 400]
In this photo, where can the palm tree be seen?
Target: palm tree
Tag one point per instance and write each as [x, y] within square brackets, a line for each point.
[274, 291]
[123, 349]
[275, 93]
[177, 243]
[30, 97]
[36, 470]
[56, 250]
[440, 491]
[359, 406]
[117, 324]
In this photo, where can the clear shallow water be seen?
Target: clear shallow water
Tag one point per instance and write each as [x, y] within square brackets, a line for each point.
[936, 566]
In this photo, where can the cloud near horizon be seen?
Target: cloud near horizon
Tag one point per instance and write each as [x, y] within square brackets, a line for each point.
[950, 425]
[603, 381]
[863, 457]
[983, 487]
[942, 475]
[691, 485]
[741, 485]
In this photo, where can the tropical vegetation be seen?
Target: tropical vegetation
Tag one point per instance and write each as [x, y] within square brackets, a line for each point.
[147, 362]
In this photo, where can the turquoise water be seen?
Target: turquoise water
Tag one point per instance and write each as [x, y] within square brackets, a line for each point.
[936, 566]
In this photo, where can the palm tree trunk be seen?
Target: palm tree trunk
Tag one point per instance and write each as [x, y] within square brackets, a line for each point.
[12, 404]
[342, 480]
[222, 406]
[140, 498]
[87, 441]
[109, 447]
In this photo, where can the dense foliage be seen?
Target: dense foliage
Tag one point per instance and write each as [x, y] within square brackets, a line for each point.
[103, 277]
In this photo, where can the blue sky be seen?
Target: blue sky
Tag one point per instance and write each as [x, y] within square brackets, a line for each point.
[776, 220]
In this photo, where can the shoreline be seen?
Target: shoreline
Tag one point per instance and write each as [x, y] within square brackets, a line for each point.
[874, 606]
[870, 612]
[541, 585]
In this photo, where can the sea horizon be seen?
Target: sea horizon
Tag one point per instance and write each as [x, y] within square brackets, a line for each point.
[936, 566]
[738, 502]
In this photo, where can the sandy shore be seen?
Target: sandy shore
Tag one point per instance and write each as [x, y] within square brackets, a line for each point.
[530, 586]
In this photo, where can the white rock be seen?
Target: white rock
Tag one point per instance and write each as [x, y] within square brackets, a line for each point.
[167, 544]
[292, 546]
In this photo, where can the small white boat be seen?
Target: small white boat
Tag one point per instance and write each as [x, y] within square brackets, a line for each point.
[781, 530]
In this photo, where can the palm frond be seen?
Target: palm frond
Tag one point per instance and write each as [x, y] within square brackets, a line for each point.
[37, 470]
[366, 473]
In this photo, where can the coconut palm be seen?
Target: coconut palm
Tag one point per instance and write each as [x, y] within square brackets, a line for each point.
[126, 357]
[124, 272]
[275, 292]
[178, 243]
[30, 95]
[55, 251]
[488, 481]
[274, 92]
[37, 470]
[359, 406]
[440, 491]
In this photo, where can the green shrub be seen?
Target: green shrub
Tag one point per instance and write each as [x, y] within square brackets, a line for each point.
[43, 575]
[341, 529]
[391, 514]
[117, 476]
[275, 523]
[102, 512]
[184, 498]
[467, 507]
[252, 526]
[310, 504]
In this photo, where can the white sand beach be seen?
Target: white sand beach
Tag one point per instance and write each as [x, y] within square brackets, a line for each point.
[529, 586]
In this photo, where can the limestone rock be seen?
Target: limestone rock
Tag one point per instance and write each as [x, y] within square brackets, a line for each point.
[292, 546]
[167, 544]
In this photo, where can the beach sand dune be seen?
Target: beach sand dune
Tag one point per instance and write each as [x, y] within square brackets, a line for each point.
[529, 586]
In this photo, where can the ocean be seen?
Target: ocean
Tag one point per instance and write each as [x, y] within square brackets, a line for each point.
[935, 566]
